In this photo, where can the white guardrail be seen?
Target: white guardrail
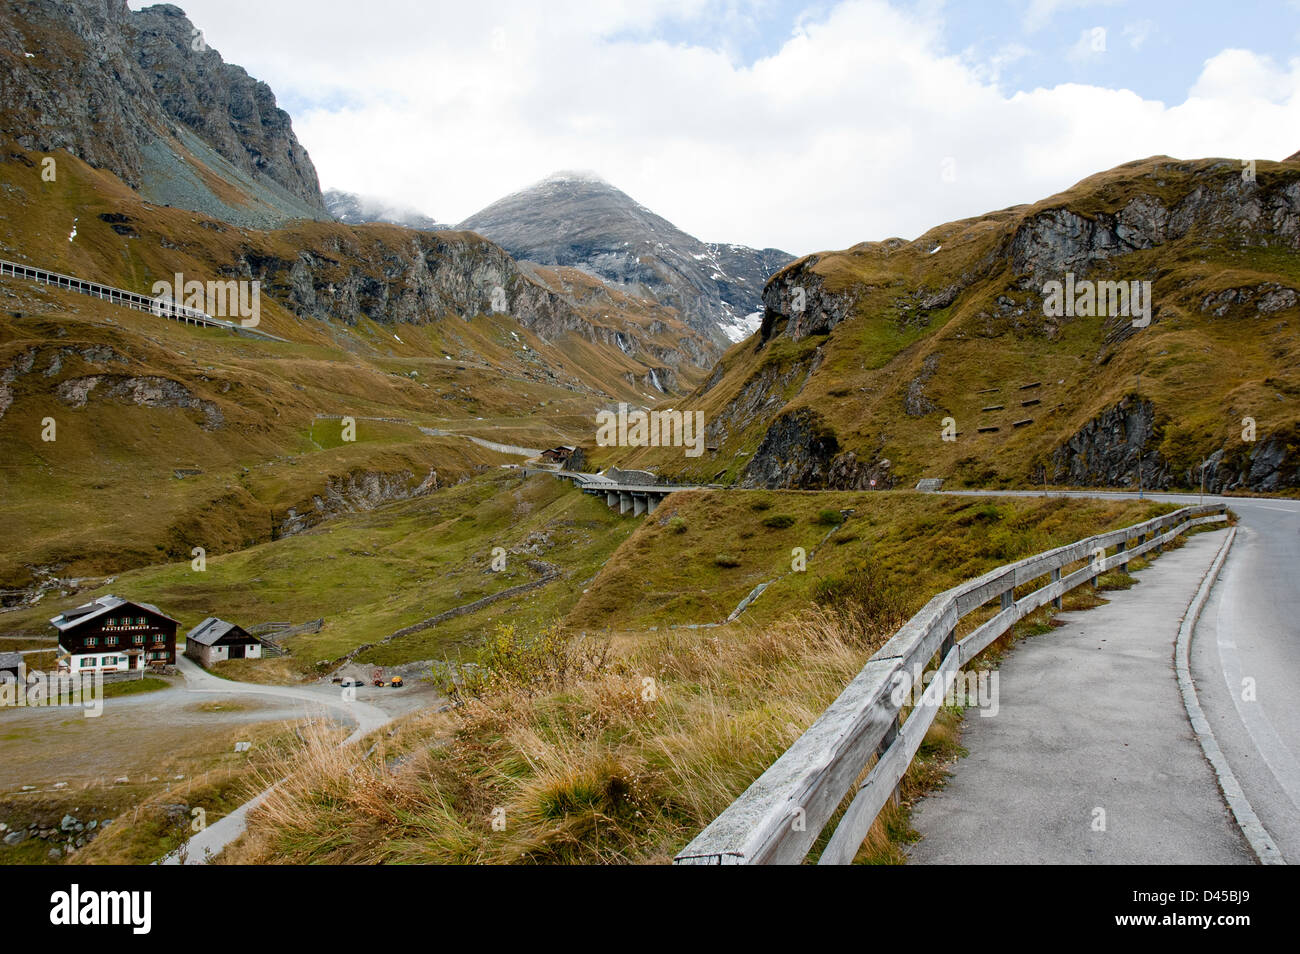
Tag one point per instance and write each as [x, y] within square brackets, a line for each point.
[128, 299]
[779, 818]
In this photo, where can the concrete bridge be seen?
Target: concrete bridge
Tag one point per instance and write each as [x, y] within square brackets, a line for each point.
[629, 491]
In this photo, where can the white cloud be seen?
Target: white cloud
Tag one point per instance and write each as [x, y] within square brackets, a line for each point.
[837, 137]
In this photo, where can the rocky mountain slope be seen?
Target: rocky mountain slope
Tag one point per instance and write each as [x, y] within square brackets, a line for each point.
[353, 209]
[171, 436]
[579, 220]
[140, 94]
[941, 357]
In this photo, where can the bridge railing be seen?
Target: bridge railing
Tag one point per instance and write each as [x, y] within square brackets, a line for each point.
[779, 818]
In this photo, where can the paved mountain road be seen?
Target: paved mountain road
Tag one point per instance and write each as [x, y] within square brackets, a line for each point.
[1091, 717]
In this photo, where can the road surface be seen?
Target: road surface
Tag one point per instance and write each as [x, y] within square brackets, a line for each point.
[1091, 718]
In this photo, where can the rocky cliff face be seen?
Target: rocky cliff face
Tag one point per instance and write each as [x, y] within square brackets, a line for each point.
[395, 276]
[581, 221]
[893, 338]
[1106, 451]
[141, 95]
[799, 450]
[1222, 207]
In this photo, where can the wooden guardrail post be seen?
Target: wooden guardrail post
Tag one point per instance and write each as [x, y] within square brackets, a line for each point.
[1056, 578]
[1123, 545]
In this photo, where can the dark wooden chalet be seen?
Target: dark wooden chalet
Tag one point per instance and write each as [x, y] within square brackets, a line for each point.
[115, 635]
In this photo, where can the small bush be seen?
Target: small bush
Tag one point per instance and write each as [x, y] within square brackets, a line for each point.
[829, 518]
[723, 559]
[510, 661]
[863, 589]
[677, 525]
[761, 505]
[778, 521]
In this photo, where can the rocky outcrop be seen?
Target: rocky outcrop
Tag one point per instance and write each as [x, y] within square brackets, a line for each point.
[916, 403]
[800, 452]
[1105, 451]
[25, 361]
[1262, 299]
[144, 391]
[357, 492]
[19, 365]
[417, 277]
[760, 399]
[1061, 240]
[796, 303]
[140, 93]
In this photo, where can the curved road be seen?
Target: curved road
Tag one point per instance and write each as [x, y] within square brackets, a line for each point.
[1245, 654]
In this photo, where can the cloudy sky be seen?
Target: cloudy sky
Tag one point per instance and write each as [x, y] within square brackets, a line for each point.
[799, 125]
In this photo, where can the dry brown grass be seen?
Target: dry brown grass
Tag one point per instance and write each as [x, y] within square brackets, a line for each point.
[622, 763]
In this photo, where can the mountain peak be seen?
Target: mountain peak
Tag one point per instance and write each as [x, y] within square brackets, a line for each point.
[577, 219]
[574, 175]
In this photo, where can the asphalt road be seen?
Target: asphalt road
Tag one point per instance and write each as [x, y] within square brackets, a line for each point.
[1107, 677]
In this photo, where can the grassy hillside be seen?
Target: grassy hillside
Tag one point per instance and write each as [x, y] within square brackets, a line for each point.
[169, 437]
[371, 574]
[898, 336]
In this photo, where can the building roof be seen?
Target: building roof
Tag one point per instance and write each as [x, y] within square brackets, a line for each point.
[10, 660]
[210, 631]
[99, 607]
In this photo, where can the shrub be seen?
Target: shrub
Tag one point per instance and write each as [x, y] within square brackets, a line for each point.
[863, 589]
[778, 521]
[761, 505]
[829, 518]
[723, 559]
[509, 661]
[677, 525]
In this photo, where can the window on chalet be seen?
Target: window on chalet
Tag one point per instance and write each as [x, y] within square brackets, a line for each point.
[138, 639]
[110, 641]
[86, 662]
[91, 641]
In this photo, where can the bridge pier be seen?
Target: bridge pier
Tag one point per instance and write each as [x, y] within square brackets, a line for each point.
[611, 499]
[638, 505]
[652, 502]
[624, 501]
